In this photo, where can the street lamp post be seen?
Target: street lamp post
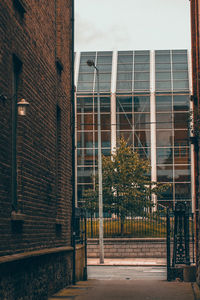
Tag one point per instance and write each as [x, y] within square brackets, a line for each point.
[91, 63]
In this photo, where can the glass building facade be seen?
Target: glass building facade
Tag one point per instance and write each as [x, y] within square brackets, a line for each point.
[145, 97]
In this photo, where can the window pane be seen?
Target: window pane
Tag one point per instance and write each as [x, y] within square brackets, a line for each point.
[164, 156]
[162, 58]
[124, 85]
[104, 59]
[141, 85]
[104, 103]
[85, 122]
[86, 77]
[181, 102]
[105, 68]
[141, 121]
[142, 139]
[141, 67]
[180, 75]
[163, 103]
[86, 68]
[182, 191]
[142, 104]
[141, 58]
[105, 139]
[167, 195]
[124, 76]
[105, 121]
[104, 77]
[85, 156]
[177, 58]
[163, 120]
[182, 173]
[181, 120]
[165, 173]
[177, 84]
[163, 76]
[143, 153]
[124, 121]
[181, 155]
[85, 86]
[125, 59]
[124, 104]
[179, 67]
[163, 67]
[84, 175]
[103, 86]
[181, 138]
[123, 67]
[84, 105]
[163, 85]
[84, 139]
[164, 138]
[141, 76]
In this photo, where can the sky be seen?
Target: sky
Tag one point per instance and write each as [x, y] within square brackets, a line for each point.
[132, 24]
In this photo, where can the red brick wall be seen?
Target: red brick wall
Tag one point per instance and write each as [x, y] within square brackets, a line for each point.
[37, 39]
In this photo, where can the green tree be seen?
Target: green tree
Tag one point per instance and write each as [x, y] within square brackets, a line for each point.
[127, 187]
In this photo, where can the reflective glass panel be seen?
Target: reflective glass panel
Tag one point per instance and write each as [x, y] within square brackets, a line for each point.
[181, 155]
[105, 139]
[86, 77]
[163, 67]
[127, 135]
[124, 104]
[181, 138]
[180, 84]
[182, 191]
[105, 121]
[85, 122]
[164, 156]
[181, 120]
[142, 104]
[85, 86]
[142, 139]
[84, 139]
[163, 103]
[84, 105]
[123, 67]
[164, 138]
[182, 173]
[105, 68]
[181, 102]
[104, 104]
[167, 195]
[125, 59]
[141, 85]
[144, 153]
[163, 85]
[124, 121]
[180, 75]
[163, 120]
[104, 59]
[179, 58]
[143, 76]
[165, 58]
[85, 156]
[141, 67]
[84, 175]
[163, 76]
[124, 76]
[141, 59]
[179, 67]
[164, 173]
[124, 85]
[141, 121]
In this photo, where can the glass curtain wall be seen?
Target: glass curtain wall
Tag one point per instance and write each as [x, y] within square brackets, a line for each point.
[133, 114]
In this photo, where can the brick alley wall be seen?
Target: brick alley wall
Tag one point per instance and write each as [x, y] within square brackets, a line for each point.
[195, 32]
[35, 64]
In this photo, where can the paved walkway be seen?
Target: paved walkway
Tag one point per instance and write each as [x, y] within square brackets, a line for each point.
[128, 262]
[127, 290]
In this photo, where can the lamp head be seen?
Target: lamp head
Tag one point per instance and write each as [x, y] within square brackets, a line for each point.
[22, 107]
[90, 63]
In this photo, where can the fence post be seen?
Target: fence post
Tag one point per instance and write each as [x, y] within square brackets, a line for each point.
[168, 246]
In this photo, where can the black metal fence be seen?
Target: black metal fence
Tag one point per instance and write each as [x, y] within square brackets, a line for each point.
[148, 225]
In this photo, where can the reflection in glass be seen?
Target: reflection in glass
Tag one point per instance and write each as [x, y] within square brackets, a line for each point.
[141, 121]
[124, 104]
[163, 85]
[105, 139]
[182, 191]
[143, 153]
[164, 138]
[84, 139]
[142, 139]
[182, 173]
[85, 121]
[142, 104]
[167, 195]
[124, 85]
[181, 102]
[163, 103]
[127, 135]
[84, 175]
[163, 76]
[105, 121]
[84, 104]
[164, 173]
[163, 120]
[181, 138]
[141, 67]
[181, 120]
[180, 84]
[141, 85]
[124, 121]
[104, 104]
[164, 156]
[85, 156]
[181, 155]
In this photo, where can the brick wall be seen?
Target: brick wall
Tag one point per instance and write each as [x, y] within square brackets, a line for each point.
[38, 35]
[131, 248]
[195, 31]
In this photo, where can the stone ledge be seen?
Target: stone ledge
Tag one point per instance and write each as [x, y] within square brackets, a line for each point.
[25, 255]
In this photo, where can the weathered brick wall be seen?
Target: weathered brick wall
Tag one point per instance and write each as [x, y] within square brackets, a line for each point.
[41, 40]
[131, 248]
[195, 31]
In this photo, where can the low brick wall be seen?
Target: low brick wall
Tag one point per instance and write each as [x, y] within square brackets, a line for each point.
[130, 248]
[35, 275]
[80, 262]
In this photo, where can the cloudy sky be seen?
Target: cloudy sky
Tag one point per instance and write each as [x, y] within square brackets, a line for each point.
[132, 24]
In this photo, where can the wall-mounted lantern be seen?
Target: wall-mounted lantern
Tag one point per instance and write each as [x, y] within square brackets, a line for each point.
[22, 107]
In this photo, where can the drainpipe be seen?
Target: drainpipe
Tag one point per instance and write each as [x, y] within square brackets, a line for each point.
[73, 146]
